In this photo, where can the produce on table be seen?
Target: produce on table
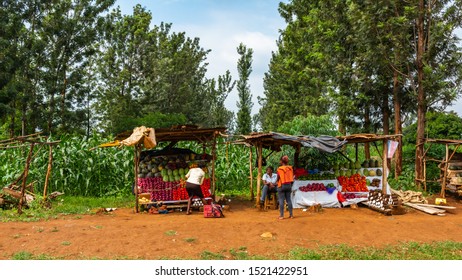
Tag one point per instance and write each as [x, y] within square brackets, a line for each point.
[163, 175]
[313, 187]
[321, 176]
[354, 183]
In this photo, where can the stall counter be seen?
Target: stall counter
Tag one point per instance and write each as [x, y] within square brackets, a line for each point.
[306, 199]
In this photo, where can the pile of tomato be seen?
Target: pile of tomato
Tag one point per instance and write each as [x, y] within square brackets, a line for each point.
[354, 183]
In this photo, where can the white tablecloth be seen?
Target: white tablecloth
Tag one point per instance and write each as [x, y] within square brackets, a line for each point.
[306, 199]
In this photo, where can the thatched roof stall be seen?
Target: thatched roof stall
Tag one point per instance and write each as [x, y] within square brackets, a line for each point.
[451, 157]
[274, 141]
[173, 135]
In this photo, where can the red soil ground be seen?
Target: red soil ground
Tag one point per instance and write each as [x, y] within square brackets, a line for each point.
[123, 234]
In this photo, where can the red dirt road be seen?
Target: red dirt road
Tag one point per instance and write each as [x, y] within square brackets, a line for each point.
[123, 234]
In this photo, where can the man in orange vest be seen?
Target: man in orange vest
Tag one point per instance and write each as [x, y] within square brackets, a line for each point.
[285, 180]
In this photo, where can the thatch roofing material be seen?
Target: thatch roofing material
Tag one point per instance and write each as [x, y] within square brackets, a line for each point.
[181, 133]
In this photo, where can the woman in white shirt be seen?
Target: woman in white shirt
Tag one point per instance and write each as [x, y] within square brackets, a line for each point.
[194, 180]
[269, 184]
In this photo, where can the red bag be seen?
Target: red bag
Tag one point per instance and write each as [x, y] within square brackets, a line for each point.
[213, 211]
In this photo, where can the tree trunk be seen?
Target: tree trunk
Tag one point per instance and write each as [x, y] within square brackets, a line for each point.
[421, 98]
[13, 113]
[398, 125]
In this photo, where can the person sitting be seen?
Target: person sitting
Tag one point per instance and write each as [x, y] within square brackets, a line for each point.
[269, 184]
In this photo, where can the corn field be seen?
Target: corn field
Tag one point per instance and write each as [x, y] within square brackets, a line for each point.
[79, 171]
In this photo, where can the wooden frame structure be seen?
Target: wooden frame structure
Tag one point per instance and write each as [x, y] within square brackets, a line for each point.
[268, 141]
[273, 141]
[175, 134]
[31, 140]
[373, 138]
[443, 164]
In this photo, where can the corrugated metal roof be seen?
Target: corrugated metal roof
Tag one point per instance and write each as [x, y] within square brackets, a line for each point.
[274, 140]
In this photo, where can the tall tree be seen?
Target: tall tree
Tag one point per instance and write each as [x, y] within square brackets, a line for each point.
[244, 104]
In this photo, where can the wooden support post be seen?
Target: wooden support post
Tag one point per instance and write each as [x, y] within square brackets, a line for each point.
[425, 173]
[356, 152]
[47, 176]
[297, 157]
[259, 173]
[385, 167]
[214, 158]
[445, 172]
[136, 161]
[24, 179]
[251, 174]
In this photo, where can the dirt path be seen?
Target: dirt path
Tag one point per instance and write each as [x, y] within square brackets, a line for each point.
[123, 234]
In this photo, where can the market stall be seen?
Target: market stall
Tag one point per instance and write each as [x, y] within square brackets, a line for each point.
[159, 173]
[345, 183]
[273, 141]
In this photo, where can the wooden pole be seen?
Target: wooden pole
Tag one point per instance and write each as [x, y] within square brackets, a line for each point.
[297, 157]
[251, 174]
[445, 172]
[214, 158]
[385, 167]
[259, 173]
[356, 152]
[47, 176]
[425, 173]
[24, 179]
[136, 163]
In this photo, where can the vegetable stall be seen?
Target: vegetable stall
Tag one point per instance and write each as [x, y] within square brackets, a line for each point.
[159, 173]
[344, 183]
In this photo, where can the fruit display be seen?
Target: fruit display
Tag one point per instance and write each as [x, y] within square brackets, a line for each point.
[375, 183]
[354, 195]
[319, 176]
[354, 183]
[162, 173]
[313, 187]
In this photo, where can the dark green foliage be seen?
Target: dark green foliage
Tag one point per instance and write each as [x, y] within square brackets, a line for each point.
[244, 105]
[439, 125]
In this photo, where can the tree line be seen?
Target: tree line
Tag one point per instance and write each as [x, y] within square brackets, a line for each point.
[376, 65]
[78, 66]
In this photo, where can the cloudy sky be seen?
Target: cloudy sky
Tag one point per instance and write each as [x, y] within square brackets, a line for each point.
[221, 25]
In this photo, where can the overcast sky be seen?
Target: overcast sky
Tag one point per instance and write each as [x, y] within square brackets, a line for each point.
[221, 25]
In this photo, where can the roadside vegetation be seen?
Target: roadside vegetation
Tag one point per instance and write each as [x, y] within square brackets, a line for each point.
[447, 250]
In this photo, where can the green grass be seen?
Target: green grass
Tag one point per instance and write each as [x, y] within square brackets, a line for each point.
[66, 243]
[190, 239]
[170, 233]
[447, 250]
[65, 205]
[24, 255]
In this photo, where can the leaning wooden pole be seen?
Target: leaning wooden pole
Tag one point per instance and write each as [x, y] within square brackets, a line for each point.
[251, 174]
[24, 179]
[47, 176]
[385, 167]
[445, 172]
[214, 159]
[136, 163]
[259, 173]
